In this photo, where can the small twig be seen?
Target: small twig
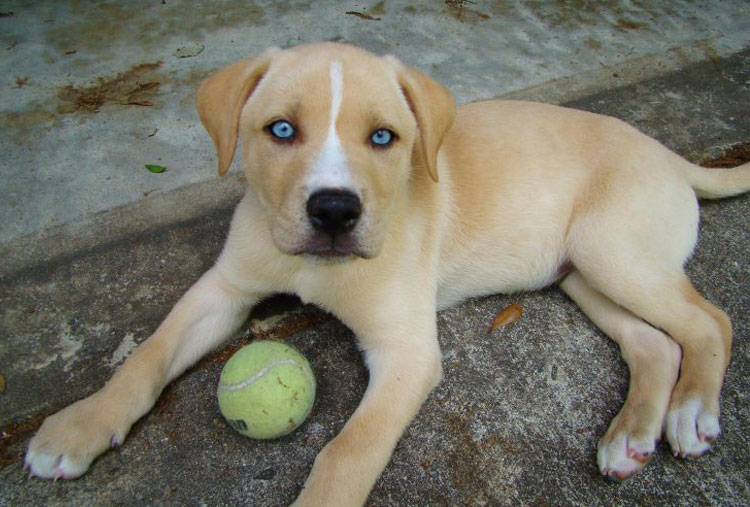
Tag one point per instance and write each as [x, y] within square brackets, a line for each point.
[363, 15]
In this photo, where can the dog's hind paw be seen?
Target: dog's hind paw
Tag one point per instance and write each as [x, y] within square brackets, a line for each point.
[622, 456]
[690, 429]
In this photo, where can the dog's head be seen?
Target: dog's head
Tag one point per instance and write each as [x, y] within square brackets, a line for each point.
[330, 134]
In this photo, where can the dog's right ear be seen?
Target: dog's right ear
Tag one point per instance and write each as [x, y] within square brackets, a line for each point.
[220, 99]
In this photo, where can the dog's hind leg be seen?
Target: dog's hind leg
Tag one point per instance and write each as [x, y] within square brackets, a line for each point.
[653, 360]
[666, 299]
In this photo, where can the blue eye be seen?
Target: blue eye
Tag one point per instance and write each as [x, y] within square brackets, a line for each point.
[382, 137]
[282, 129]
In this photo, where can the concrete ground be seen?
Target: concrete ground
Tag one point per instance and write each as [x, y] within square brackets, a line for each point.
[96, 249]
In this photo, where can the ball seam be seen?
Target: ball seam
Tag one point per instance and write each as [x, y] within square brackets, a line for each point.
[262, 372]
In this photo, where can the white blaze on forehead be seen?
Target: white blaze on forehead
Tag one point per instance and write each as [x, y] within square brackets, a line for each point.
[330, 168]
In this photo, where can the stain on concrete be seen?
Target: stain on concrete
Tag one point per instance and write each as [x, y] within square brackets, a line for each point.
[93, 27]
[20, 82]
[13, 435]
[592, 43]
[735, 155]
[626, 24]
[137, 86]
[463, 11]
[576, 13]
[18, 124]
[473, 453]
[134, 87]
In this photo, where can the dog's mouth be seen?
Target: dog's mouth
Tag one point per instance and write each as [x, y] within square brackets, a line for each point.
[332, 247]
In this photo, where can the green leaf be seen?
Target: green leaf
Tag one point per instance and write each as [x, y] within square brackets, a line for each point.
[155, 168]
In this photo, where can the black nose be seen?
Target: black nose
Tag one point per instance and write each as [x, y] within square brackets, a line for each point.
[334, 211]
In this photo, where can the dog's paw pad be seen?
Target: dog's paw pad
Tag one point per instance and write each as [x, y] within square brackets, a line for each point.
[690, 429]
[621, 457]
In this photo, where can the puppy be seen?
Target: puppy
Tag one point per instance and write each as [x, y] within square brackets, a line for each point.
[342, 152]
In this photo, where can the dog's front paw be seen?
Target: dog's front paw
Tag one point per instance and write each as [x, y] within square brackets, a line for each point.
[622, 453]
[690, 428]
[71, 439]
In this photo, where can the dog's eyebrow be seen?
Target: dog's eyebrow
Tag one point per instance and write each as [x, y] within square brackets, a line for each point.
[289, 111]
[378, 121]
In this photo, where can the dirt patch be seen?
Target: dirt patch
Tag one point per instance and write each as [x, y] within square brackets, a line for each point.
[21, 82]
[468, 457]
[12, 437]
[738, 154]
[626, 24]
[287, 327]
[134, 87]
[460, 10]
[137, 86]
[98, 27]
[573, 14]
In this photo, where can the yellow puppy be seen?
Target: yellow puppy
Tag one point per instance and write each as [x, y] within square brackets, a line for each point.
[343, 151]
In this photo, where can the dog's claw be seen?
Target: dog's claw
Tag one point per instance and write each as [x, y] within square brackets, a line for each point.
[614, 475]
[639, 457]
[708, 439]
[690, 429]
[621, 456]
[114, 442]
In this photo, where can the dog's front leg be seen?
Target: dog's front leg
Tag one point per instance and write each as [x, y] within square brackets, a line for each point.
[405, 365]
[69, 440]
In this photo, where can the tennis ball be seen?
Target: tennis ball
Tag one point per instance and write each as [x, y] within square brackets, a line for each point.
[266, 390]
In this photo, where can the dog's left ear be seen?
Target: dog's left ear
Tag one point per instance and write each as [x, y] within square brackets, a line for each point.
[220, 99]
[434, 108]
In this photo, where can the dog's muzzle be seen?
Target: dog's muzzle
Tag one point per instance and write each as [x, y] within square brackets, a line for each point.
[333, 214]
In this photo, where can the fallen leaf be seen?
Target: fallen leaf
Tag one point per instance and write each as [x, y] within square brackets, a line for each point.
[508, 315]
[2, 383]
[144, 133]
[189, 50]
[155, 168]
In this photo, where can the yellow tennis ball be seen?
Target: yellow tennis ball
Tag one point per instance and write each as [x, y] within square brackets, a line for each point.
[266, 390]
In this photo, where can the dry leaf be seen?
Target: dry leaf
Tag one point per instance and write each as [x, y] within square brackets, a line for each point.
[2, 383]
[508, 315]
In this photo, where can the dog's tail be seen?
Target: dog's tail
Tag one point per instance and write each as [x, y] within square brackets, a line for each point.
[718, 183]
